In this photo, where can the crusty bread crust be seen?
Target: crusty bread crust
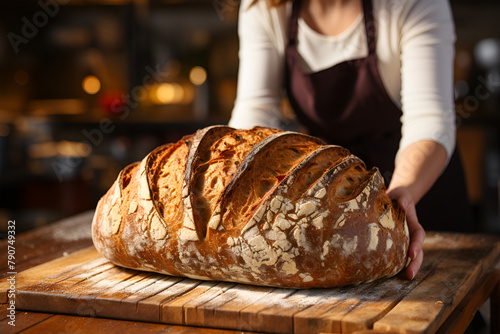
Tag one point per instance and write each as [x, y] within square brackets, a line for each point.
[258, 206]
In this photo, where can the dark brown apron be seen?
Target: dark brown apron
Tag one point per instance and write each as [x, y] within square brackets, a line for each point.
[347, 105]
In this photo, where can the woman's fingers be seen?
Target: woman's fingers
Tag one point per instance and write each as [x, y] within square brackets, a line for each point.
[417, 232]
[417, 237]
[412, 269]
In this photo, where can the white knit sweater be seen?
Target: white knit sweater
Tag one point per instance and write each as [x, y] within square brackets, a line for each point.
[415, 51]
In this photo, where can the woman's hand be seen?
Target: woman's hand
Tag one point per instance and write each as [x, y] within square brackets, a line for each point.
[417, 168]
[417, 233]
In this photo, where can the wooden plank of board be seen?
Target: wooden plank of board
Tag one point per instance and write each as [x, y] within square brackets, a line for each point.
[191, 314]
[82, 325]
[155, 303]
[313, 319]
[463, 314]
[75, 324]
[141, 281]
[73, 295]
[127, 300]
[274, 312]
[81, 295]
[51, 270]
[106, 302]
[173, 310]
[325, 315]
[256, 313]
[223, 311]
[415, 313]
[428, 305]
[375, 303]
[23, 320]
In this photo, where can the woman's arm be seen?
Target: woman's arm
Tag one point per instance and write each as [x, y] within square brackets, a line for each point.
[417, 168]
[261, 69]
[428, 130]
[427, 56]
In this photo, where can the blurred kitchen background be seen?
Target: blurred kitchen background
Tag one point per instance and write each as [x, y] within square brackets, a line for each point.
[87, 87]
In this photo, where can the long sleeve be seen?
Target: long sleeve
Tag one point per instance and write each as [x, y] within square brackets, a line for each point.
[427, 51]
[261, 70]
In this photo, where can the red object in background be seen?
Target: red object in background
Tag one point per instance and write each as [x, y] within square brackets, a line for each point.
[112, 102]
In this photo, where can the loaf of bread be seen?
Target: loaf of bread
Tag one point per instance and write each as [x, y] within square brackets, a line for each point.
[258, 206]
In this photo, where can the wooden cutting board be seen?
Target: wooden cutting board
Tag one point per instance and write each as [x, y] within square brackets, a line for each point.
[86, 284]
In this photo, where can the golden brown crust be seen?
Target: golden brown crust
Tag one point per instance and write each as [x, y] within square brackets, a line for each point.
[257, 206]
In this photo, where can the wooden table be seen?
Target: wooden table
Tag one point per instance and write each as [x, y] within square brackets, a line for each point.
[459, 273]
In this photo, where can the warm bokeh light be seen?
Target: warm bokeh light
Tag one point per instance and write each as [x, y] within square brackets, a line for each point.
[73, 149]
[165, 93]
[198, 75]
[62, 148]
[91, 85]
[168, 93]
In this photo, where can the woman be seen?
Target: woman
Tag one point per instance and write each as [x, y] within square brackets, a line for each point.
[375, 78]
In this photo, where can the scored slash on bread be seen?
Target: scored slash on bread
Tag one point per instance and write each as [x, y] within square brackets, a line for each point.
[259, 206]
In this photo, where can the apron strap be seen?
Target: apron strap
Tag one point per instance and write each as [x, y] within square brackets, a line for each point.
[369, 26]
[293, 23]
